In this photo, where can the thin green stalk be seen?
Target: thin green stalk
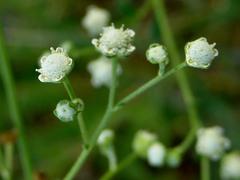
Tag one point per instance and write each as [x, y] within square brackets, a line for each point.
[147, 86]
[166, 34]
[122, 165]
[3, 169]
[69, 88]
[9, 157]
[83, 129]
[11, 97]
[205, 168]
[81, 123]
[84, 154]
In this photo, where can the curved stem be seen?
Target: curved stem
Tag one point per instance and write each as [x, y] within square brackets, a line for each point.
[10, 89]
[160, 13]
[69, 88]
[123, 164]
[205, 168]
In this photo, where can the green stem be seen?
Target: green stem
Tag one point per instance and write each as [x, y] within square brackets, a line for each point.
[11, 96]
[69, 88]
[83, 156]
[122, 165]
[3, 169]
[205, 168]
[9, 157]
[112, 158]
[160, 13]
[147, 86]
[81, 123]
[83, 129]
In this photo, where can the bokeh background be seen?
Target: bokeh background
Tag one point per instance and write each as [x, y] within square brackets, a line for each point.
[32, 26]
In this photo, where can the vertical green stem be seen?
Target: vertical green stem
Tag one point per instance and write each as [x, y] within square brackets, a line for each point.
[205, 168]
[81, 123]
[11, 96]
[84, 154]
[9, 157]
[160, 13]
[69, 88]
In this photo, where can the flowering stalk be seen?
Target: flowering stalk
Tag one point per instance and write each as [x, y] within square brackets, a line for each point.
[123, 164]
[81, 123]
[111, 109]
[205, 168]
[8, 83]
[160, 13]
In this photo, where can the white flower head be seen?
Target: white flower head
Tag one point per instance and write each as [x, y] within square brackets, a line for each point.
[65, 111]
[54, 66]
[115, 42]
[101, 71]
[142, 141]
[211, 142]
[157, 54]
[95, 19]
[200, 53]
[230, 166]
[156, 154]
[105, 138]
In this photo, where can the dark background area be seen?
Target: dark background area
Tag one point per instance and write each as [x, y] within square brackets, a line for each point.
[32, 26]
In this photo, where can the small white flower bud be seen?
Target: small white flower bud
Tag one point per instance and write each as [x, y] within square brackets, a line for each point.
[156, 154]
[55, 66]
[173, 159]
[65, 111]
[200, 53]
[157, 54]
[101, 71]
[106, 137]
[95, 19]
[142, 141]
[230, 166]
[115, 42]
[211, 142]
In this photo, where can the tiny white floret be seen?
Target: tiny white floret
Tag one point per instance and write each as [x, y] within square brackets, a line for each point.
[115, 42]
[142, 141]
[54, 66]
[200, 53]
[157, 54]
[105, 138]
[65, 111]
[156, 154]
[95, 19]
[211, 142]
[101, 71]
[230, 166]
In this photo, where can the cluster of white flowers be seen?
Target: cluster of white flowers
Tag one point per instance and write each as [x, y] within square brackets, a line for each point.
[65, 111]
[211, 142]
[95, 19]
[157, 54]
[54, 66]
[115, 42]
[230, 166]
[200, 53]
[101, 71]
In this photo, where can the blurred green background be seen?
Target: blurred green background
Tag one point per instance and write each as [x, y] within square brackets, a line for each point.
[32, 26]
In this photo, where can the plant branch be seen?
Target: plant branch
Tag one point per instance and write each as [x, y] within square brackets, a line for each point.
[205, 168]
